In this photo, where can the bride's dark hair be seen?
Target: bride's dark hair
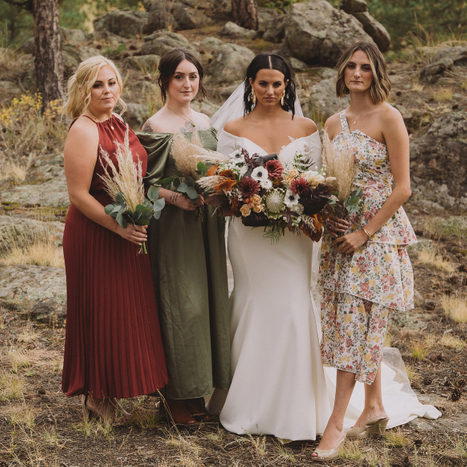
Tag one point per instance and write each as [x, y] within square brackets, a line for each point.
[270, 62]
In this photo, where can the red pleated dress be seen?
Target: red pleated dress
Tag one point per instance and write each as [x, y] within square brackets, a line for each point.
[113, 344]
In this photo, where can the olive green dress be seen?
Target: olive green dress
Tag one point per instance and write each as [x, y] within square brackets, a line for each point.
[189, 271]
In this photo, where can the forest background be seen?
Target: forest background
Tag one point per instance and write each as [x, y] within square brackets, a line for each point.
[407, 21]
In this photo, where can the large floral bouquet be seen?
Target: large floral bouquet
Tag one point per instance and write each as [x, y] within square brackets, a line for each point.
[264, 192]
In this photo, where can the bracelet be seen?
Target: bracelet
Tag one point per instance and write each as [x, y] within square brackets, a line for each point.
[367, 233]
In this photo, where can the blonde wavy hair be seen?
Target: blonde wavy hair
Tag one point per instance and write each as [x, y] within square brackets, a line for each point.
[80, 85]
[381, 85]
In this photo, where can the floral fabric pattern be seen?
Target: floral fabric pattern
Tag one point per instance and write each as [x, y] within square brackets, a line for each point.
[353, 334]
[359, 290]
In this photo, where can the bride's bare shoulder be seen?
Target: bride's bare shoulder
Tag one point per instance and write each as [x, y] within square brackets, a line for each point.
[307, 126]
[235, 127]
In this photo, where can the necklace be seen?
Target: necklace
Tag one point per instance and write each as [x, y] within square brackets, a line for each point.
[111, 119]
[188, 119]
[360, 116]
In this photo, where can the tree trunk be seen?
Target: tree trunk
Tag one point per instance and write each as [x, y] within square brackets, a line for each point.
[48, 61]
[245, 13]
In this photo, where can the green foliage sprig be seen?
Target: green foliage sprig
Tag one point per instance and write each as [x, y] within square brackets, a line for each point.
[151, 207]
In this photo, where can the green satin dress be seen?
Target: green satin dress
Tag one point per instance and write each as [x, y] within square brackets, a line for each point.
[189, 270]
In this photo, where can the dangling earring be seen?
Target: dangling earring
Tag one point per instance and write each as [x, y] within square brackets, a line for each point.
[253, 96]
[283, 98]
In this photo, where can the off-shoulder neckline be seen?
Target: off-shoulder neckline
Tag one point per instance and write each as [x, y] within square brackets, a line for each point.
[282, 148]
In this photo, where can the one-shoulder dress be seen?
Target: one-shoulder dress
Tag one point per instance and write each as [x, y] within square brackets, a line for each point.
[113, 345]
[189, 270]
[361, 289]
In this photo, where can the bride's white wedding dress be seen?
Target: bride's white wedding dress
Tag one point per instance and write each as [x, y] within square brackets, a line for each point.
[279, 386]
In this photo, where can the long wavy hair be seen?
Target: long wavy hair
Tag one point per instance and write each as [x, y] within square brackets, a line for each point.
[168, 66]
[81, 83]
[270, 62]
[381, 84]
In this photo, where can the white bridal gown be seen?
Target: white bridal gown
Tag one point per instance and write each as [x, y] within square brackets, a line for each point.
[279, 386]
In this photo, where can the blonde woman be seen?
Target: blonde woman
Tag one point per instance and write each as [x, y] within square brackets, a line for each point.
[365, 269]
[113, 345]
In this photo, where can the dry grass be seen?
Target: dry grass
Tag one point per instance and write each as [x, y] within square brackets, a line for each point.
[127, 179]
[417, 87]
[352, 450]
[11, 387]
[41, 132]
[453, 342]
[396, 438]
[340, 166]
[11, 170]
[430, 257]
[420, 348]
[39, 248]
[443, 94]
[19, 359]
[23, 416]
[455, 308]
[453, 227]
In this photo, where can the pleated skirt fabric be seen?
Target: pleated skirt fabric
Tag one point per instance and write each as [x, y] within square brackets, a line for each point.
[113, 342]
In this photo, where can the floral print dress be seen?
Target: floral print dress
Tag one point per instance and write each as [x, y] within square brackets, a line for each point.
[360, 290]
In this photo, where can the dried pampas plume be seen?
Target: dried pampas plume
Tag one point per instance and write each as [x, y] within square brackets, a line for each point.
[187, 154]
[340, 166]
[127, 179]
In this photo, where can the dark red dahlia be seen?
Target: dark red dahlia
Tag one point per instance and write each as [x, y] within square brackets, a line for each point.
[300, 187]
[249, 187]
[274, 168]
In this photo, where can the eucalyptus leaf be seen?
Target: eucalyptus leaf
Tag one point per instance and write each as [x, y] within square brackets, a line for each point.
[157, 215]
[190, 181]
[153, 193]
[121, 220]
[120, 198]
[165, 181]
[192, 193]
[159, 204]
[182, 187]
[176, 182]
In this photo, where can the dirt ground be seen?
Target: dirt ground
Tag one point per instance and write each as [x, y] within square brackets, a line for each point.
[42, 427]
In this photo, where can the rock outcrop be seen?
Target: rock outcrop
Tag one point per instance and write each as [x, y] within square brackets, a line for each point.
[162, 41]
[229, 64]
[317, 33]
[438, 168]
[125, 23]
[373, 28]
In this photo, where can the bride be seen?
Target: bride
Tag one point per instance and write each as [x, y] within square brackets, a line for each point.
[279, 385]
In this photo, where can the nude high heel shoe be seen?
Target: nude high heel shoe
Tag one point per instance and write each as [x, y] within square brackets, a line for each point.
[375, 427]
[328, 454]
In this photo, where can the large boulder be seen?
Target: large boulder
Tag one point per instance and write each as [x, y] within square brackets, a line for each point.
[322, 101]
[144, 63]
[74, 36]
[233, 30]
[21, 232]
[125, 23]
[376, 30]
[274, 29]
[162, 41]
[229, 64]
[136, 115]
[38, 290]
[458, 55]
[265, 16]
[53, 193]
[317, 33]
[439, 162]
[185, 14]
